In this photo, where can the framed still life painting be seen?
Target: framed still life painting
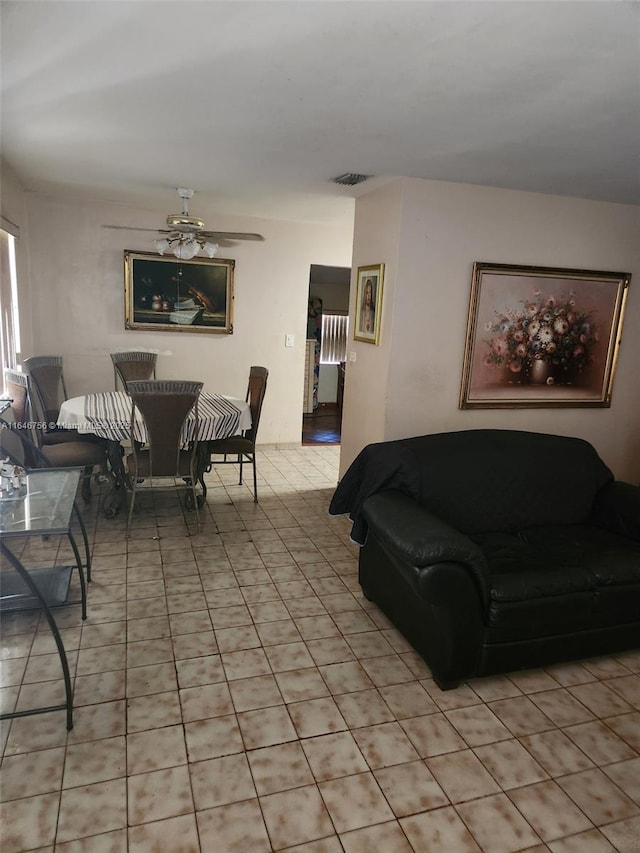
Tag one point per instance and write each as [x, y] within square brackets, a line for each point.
[368, 303]
[542, 336]
[164, 294]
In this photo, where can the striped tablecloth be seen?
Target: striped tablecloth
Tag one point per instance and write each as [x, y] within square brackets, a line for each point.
[108, 415]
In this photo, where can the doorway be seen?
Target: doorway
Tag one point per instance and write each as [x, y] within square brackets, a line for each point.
[324, 377]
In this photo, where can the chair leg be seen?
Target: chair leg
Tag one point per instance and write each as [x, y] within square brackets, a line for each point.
[240, 459]
[255, 478]
[132, 501]
[86, 484]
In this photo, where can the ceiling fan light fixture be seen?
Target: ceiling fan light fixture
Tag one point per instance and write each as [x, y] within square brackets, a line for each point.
[162, 245]
[186, 249]
[210, 249]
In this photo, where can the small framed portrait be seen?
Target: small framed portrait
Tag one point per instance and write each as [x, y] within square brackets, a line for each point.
[368, 304]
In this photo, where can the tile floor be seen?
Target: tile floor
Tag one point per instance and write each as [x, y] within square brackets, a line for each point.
[235, 692]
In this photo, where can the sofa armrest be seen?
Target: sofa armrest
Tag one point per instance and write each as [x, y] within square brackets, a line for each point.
[617, 508]
[420, 538]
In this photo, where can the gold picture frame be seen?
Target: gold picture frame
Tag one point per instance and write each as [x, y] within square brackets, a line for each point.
[165, 294]
[542, 337]
[369, 285]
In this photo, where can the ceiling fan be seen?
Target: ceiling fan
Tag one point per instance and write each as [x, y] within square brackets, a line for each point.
[186, 234]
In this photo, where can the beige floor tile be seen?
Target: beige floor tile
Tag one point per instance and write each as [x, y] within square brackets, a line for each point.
[155, 749]
[31, 773]
[408, 700]
[266, 727]
[289, 656]
[626, 775]
[223, 780]
[155, 678]
[106, 842]
[95, 761]
[295, 816]
[432, 735]
[478, 725]
[497, 825]
[591, 841]
[196, 644]
[410, 788]
[213, 738]
[299, 684]
[355, 801]
[234, 828]
[146, 652]
[628, 688]
[195, 672]
[316, 627]
[384, 838]
[29, 823]
[334, 755]
[278, 768]
[316, 717]
[556, 753]
[92, 809]
[550, 812]
[440, 829]
[598, 742]
[159, 794]
[153, 712]
[384, 745]
[510, 764]
[462, 776]
[562, 708]
[208, 700]
[178, 834]
[520, 716]
[245, 663]
[364, 708]
[600, 699]
[598, 797]
[623, 834]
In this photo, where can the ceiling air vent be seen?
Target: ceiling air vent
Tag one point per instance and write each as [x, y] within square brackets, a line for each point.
[349, 179]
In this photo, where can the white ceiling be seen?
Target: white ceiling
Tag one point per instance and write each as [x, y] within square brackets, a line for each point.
[257, 105]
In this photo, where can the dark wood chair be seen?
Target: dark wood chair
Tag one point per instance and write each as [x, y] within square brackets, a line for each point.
[164, 406]
[132, 366]
[61, 449]
[243, 447]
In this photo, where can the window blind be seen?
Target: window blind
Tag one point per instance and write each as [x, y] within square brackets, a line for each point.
[333, 348]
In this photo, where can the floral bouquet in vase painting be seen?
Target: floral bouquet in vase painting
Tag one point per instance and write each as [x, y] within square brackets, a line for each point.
[548, 341]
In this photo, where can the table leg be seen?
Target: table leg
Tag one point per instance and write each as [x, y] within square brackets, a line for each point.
[68, 706]
[116, 498]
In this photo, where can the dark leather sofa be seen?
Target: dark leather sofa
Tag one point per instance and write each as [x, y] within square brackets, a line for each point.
[496, 550]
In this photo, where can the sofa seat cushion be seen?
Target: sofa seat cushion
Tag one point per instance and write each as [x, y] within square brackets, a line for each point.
[613, 562]
[612, 559]
[533, 590]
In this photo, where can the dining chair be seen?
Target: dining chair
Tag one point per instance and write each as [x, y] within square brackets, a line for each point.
[129, 366]
[61, 449]
[48, 381]
[243, 447]
[164, 406]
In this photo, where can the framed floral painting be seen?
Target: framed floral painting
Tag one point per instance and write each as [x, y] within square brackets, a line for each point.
[368, 304]
[542, 337]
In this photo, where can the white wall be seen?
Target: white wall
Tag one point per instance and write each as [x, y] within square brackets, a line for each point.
[442, 228]
[78, 303]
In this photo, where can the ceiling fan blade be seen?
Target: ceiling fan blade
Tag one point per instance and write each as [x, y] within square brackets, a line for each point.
[231, 235]
[131, 228]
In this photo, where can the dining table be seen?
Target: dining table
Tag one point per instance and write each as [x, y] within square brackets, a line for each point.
[107, 414]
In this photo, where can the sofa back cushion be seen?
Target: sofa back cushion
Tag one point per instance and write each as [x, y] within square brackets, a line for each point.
[500, 480]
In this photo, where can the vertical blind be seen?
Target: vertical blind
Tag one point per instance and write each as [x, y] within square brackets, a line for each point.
[9, 342]
[335, 328]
